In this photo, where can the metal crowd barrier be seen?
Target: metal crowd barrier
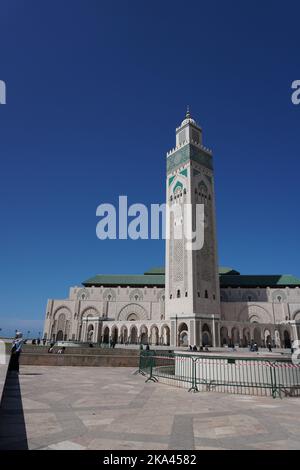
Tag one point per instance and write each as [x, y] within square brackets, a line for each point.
[276, 377]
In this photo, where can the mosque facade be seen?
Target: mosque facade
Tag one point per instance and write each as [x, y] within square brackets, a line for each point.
[190, 301]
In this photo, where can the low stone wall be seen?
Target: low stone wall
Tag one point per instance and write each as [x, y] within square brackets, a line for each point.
[89, 360]
[82, 351]
[4, 363]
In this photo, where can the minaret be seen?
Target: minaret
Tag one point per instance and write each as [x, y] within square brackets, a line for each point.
[192, 279]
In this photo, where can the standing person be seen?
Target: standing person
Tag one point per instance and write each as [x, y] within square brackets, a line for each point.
[147, 347]
[269, 346]
[38, 341]
[16, 351]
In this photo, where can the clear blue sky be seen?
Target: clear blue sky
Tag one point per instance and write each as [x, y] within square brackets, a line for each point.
[94, 92]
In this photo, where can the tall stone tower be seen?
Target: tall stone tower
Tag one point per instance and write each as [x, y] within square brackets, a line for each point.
[192, 278]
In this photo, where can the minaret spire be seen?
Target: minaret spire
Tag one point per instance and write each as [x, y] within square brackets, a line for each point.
[188, 114]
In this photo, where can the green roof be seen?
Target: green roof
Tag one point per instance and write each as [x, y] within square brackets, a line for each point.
[228, 278]
[156, 270]
[226, 270]
[126, 280]
[259, 280]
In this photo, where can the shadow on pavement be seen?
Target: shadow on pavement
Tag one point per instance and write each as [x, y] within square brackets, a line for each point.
[12, 423]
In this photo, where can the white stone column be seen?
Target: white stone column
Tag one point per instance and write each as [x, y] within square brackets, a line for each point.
[295, 332]
[173, 334]
[213, 331]
[192, 335]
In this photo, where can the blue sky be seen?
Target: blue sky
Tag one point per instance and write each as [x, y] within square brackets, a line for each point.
[94, 92]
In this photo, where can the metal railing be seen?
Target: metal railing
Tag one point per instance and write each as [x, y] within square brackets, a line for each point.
[276, 377]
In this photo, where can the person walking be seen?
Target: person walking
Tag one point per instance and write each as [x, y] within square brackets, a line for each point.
[15, 352]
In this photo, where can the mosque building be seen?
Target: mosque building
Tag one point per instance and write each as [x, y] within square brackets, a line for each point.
[192, 301]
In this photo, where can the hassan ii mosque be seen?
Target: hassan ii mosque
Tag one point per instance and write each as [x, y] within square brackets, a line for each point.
[191, 300]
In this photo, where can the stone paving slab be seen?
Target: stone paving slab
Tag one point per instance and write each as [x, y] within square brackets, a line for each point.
[53, 408]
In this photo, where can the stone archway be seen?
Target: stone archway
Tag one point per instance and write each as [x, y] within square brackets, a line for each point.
[61, 323]
[257, 336]
[124, 334]
[246, 337]
[60, 335]
[144, 335]
[89, 312]
[165, 335]
[183, 335]
[287, 339]
[106, 335]
[254, 314]
[133, 335]
[115, 334]
[90, 333]
[267, 338]
[206, 335]
[224, 335]
[235, 336]
[132, 309]
[154, 335]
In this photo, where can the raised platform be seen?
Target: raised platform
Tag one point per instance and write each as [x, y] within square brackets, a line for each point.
[75, 356]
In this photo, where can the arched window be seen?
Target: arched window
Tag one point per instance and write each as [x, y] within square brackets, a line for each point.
[132, 317]
[178, 294]
[186, 294]
[206, 294]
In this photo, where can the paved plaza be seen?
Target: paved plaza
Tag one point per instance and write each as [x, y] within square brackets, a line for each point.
[111, 408]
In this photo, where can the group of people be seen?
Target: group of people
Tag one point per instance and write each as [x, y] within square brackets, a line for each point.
[51, 349]
[201, 348]
[38, 341]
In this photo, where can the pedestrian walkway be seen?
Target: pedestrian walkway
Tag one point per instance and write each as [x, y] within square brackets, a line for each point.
[111, 408]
